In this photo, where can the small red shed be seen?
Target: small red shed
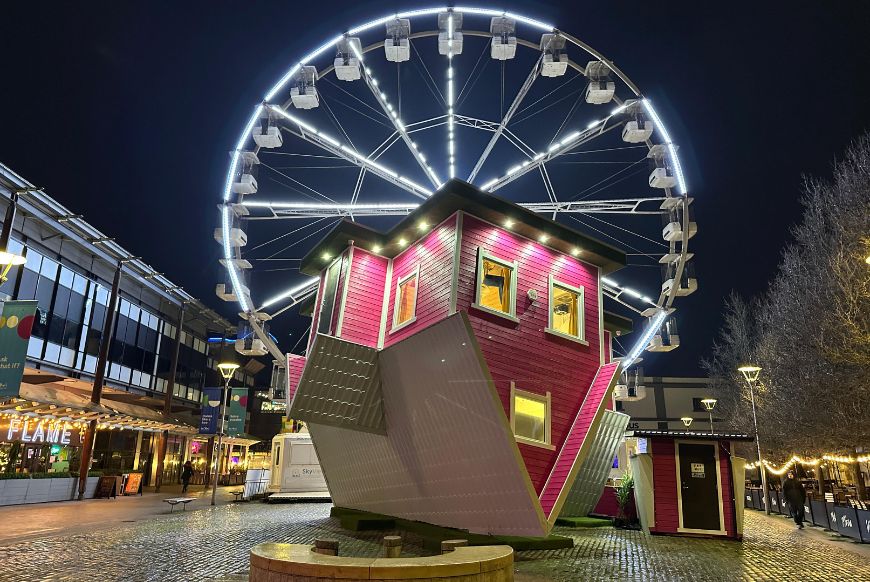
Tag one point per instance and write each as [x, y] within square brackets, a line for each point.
[689, 483]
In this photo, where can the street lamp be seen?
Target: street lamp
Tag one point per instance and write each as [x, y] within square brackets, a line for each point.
[9, 259]
[750, 374]
[710, 404]
[687, 421]
[227, 369]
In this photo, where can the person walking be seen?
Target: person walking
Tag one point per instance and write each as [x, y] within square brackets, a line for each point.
[795, 495]
[186, 474]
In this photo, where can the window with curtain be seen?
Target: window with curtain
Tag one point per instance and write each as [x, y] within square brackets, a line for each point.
[406, 299]
[531, 417]
[495, 286]
[566, 310]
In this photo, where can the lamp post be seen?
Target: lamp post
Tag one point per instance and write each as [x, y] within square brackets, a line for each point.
[227, 369]
[710, 404]
[750, 374]
[687, 421]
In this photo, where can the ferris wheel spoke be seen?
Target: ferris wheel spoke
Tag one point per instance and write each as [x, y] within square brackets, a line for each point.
[398, 124]
[301, 210]
[297, 182]
[515, 105]
[307, 132]
[568, 143]
[613, 238]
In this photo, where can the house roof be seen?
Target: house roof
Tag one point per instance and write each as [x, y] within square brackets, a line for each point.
[692, 434]
[453, 196]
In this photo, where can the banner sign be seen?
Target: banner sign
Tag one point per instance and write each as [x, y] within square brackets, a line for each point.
[820, 513]
[16, 323]
[31, 430]
[208, 422]
[237, 411]
[847, 522]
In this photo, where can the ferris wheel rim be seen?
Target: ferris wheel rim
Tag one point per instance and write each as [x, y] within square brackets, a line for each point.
[249, 311]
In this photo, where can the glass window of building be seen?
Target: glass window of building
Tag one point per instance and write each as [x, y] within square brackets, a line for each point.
[530, 416]
[406, 299]
[496, 284]
[566, 310]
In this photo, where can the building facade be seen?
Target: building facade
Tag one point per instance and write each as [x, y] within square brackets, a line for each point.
[69, 271]
[459, 367]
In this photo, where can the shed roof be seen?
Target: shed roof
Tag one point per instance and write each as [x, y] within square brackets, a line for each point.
[453, 196]
[692, 434]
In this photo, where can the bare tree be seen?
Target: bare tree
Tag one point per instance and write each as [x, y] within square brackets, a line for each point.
[811, 331]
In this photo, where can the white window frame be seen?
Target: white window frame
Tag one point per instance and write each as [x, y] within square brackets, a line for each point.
[413, 274]
[478, 280]
[548, 402]
[580, 338]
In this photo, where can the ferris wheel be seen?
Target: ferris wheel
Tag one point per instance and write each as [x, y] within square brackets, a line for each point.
[373, 121]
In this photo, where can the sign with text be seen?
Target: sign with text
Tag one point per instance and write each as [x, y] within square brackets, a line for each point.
[16, 323]
[30, 430]
[237, 411]
[134, 480]
[211, 402]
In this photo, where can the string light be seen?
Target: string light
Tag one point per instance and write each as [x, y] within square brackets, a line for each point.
[796, 460]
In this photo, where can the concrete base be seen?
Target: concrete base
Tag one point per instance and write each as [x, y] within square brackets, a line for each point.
[298, 563]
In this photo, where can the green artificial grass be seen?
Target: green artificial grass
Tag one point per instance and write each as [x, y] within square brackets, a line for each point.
[584, 522]
[433, 535]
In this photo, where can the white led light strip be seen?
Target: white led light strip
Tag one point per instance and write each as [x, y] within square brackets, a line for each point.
[333, 145]
[654, 325]
[388, 108]
[627, 290]
[451, 122]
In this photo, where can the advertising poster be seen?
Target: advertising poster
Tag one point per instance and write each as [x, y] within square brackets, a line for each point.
[211, 401]
[237, 411]
[16, 322]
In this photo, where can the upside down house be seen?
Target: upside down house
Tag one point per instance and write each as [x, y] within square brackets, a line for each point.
[459, 367]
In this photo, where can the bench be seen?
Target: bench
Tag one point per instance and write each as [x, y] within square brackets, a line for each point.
[173, 501]
[238, 494]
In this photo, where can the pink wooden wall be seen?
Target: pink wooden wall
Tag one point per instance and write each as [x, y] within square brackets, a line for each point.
[665, 487]
[434, 254]
[576, 440]
[365, 296]
[522, 352]
[295, 365]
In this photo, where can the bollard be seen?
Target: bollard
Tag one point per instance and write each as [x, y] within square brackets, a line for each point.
[392, 546]
[327, 547]
[450, 545]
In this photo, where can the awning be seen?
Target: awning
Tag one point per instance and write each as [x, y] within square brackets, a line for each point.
[57, 399]
[245, 440]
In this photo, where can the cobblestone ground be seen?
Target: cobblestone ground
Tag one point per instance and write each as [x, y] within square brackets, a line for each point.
[213, 544]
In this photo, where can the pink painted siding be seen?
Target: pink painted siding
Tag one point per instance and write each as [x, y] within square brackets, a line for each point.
[295, 365]
[315, 314]
[361, 321]
[665, 487]
[522, 352]
[608, 356]
[607, 505]
[580, 428]
[434, 254]
[339, 290]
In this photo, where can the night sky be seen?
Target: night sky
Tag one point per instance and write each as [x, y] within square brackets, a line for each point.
[126, 113]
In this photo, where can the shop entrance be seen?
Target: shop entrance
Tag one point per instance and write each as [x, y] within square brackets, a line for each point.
[699, 487]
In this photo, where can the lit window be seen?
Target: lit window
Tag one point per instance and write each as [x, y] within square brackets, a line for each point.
[496, 285]
[406, 299]
[530, 417]
[566, 310]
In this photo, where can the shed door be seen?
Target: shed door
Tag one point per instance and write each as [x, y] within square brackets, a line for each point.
[699, 486]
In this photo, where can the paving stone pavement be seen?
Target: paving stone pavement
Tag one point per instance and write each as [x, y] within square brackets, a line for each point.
[213, 543]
